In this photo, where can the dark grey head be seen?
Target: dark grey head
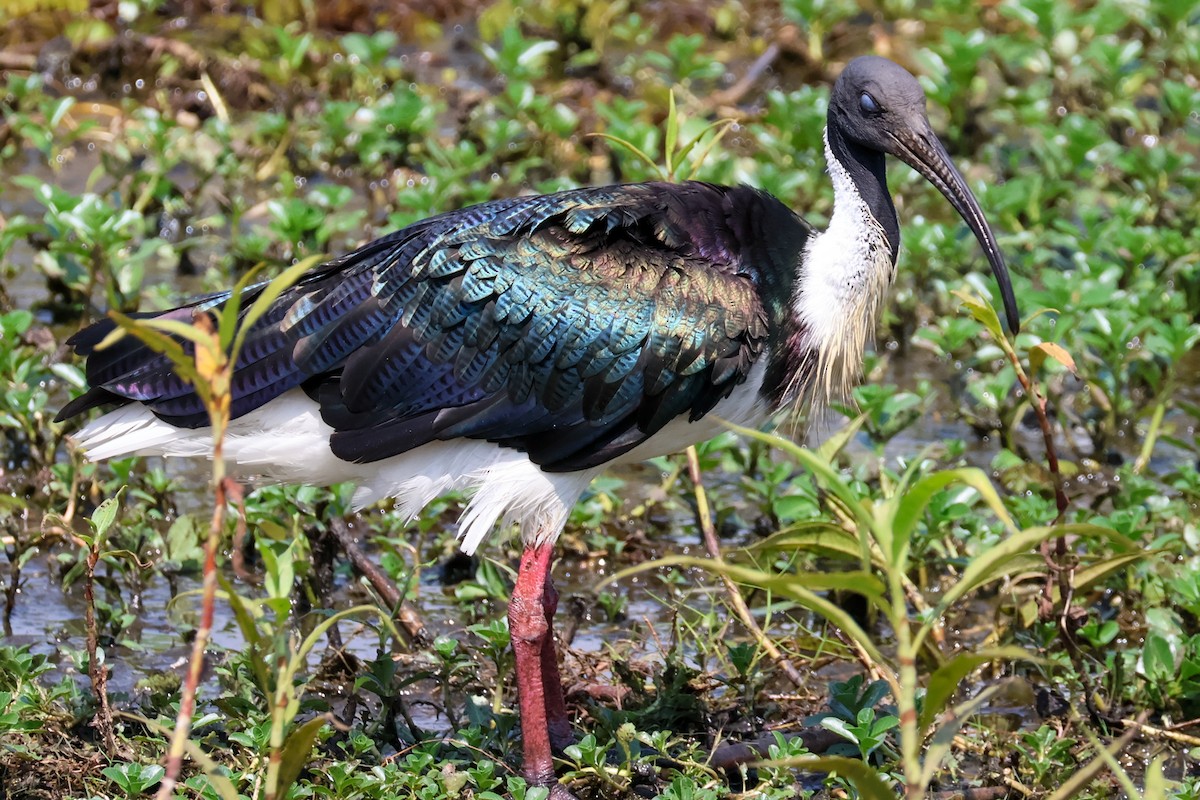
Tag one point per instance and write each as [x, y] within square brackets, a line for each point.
[878, 106]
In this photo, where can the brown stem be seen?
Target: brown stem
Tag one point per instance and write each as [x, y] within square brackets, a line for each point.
[1060, 564]
[736, 601]
[97, 671]
[187, 701]
[237, 553]
[14, 580]
[408, 617]
[1039, 409]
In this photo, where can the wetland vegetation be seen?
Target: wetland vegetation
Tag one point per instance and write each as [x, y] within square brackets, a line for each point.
[982, 579]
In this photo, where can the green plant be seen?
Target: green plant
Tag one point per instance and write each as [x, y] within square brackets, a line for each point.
[1048, 754]
[24, 379]
[878, 535]
[92, 243]
[134, 779]
[277, 663]
[852, 715]
[24, 705]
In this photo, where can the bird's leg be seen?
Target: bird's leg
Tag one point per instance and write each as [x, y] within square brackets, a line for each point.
[529, 627]
[557, 723]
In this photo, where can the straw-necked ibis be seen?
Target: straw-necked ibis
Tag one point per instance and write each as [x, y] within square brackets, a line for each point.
[516, 348]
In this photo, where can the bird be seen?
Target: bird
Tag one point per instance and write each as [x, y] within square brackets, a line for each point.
[517, 348]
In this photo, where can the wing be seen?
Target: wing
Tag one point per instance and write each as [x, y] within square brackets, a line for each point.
[571, 326]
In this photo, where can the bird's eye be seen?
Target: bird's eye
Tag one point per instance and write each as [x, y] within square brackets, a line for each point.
[868, 104]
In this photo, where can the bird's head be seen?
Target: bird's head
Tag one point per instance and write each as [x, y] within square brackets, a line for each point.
[879, 105]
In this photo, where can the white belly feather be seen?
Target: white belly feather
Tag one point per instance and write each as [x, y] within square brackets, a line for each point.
[286, 441]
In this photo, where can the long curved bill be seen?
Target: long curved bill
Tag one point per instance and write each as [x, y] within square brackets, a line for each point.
[925, 153]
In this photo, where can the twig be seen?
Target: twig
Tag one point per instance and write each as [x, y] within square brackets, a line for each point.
[408, 617]
[1187, 723]
[17, 61]
[736, 601]
[97, 672]
[1162, 733]
[733, 94]
[190, 56]
[1018, 787]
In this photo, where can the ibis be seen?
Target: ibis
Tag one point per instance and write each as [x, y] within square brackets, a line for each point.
[515, 349]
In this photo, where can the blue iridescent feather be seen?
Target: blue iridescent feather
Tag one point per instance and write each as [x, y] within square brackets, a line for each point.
[571, 326]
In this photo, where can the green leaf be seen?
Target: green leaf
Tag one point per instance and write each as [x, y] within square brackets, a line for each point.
[212, 771]
[1074, 785]
[270, 293]
[939, 746]
[229, 312]
[822, 470]
[59, 110]
[105, 514]
[1156, 784]
[722, 127]
[174, 327]
[315, 635]
[835, 443]
[296, 750]
[248, 626]
[631, 147]
[786, 584]
[1109, 757]
[910, 505]
[1086, 576]
[157, 340]
[995, 562]
[71, 374]
[1039, 352]
[1158, 662]
[983, 311]
[817, 535]
[945, 680]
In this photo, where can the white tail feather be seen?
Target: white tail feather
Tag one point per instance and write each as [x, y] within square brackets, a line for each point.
[286, 441]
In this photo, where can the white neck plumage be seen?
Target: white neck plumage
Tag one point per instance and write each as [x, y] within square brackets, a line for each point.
[844, 274]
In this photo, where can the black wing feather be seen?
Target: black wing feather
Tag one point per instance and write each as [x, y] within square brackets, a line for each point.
[571, 326]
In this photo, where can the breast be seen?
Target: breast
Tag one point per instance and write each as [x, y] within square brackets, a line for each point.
[844, 277]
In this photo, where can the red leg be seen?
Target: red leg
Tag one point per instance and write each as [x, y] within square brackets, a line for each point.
[529, 626]
[556, 708]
